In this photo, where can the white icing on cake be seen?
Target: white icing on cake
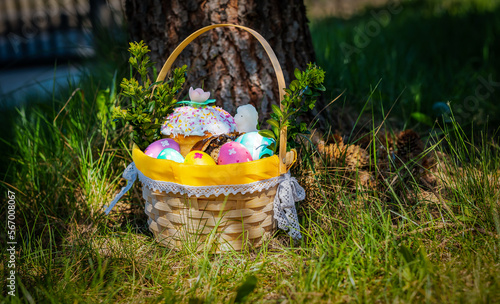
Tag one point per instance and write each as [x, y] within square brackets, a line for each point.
[188, 121]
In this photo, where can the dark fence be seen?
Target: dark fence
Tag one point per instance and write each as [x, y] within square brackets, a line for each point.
[37, 31]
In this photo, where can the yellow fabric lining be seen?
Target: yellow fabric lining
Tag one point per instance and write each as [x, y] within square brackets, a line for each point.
[216, 175]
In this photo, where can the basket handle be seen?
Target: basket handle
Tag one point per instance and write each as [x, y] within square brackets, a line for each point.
[274, 61]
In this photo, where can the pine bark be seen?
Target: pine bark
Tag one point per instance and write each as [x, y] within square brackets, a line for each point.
[229, 62]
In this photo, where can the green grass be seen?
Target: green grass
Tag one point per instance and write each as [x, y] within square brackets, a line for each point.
[398, 240]
[416, 53]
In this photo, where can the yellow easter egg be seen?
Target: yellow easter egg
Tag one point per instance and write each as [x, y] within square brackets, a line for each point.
[199, 158]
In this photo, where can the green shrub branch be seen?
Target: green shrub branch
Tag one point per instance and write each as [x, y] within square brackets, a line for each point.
[148, 102]
[300, 98]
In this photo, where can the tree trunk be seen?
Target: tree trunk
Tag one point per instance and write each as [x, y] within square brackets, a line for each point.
[229, 62]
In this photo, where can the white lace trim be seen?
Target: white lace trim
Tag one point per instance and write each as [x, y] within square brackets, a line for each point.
[207, 190]
[289, 192]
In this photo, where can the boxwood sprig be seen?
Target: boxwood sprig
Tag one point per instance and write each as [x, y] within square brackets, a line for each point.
[300, 97]
[148, 102]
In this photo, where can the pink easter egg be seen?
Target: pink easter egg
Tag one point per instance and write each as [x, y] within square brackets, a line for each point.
[232, 153]
[156, 147]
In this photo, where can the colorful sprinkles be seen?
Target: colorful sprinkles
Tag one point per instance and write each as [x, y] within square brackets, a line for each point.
[188, 121]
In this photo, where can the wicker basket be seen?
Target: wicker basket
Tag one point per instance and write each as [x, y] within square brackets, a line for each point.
[232, 222]
[216, 223]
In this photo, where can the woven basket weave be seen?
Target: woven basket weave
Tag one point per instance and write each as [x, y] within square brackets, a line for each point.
[216, 223]
[232, 223]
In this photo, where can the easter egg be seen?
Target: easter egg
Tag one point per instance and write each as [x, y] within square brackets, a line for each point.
[171, 154]
[156, 147]
[232, 153]
[199, 158]
[256, 144]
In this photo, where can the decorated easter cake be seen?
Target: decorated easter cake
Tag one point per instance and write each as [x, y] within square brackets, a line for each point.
[191, 123]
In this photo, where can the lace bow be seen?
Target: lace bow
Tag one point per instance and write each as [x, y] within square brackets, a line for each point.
[130, 174]
[289, 192]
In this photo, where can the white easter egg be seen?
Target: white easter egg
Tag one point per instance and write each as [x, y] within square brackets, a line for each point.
[256, 144]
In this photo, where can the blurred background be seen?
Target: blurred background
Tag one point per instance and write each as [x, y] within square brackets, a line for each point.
[414, 57]
[43, 43]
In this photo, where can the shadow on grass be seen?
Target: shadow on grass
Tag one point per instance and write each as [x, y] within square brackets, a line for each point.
[421, 53]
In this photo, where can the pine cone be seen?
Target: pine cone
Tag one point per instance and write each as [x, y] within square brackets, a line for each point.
[355, 157]
[330, 151]
[409, 145]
